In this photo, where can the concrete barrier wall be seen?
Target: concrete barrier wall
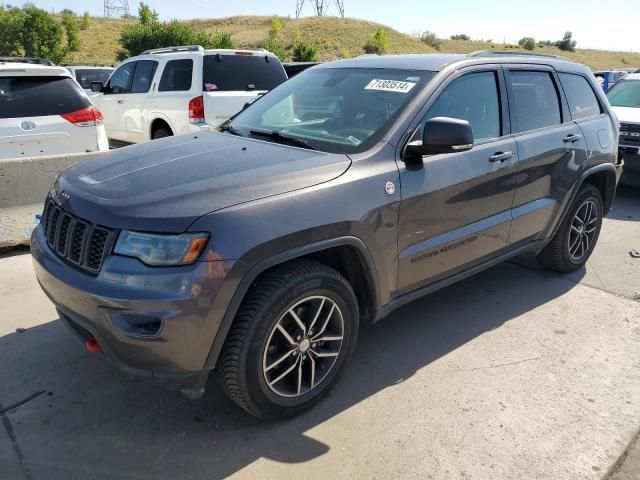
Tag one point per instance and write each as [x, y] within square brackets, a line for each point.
[25, 181]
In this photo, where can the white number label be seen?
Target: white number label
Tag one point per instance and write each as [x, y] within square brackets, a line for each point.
[390, 86]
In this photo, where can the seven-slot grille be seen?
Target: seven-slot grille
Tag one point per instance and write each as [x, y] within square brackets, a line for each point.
[74, 239]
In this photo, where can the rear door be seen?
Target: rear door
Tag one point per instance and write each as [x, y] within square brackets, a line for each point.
[551, 150]
[175, 89]
[456, 207]
[31, 121]
[229, 81]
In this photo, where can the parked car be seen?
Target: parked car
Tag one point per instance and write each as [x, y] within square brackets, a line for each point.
[86, 75]
[178, 90]
[624, 98]
[608, 78]
[294, 68]
[43, 111]
[258, 250]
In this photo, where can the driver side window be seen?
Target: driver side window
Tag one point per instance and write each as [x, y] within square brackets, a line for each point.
[120, 81]
[474, 98]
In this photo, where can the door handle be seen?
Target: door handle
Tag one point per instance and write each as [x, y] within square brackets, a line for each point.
[573, 138]
[501, 156]
[120, 101]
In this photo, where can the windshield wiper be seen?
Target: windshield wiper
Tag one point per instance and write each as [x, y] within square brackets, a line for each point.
[226, 127]
[280, 138]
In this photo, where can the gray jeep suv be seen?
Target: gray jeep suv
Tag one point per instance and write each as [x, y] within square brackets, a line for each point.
[355, 187]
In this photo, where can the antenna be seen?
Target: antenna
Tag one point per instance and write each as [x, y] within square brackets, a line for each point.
[321, 7]
[116, 8]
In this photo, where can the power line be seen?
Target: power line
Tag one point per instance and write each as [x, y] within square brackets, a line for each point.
[116, 8]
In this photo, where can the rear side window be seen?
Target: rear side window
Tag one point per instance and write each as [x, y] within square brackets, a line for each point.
[535, 99]
[241, 73]
[582, 101]
[473, 97]
[143, 76]
[176, 76]
[40, 96]
[85, 76]
[120, 81]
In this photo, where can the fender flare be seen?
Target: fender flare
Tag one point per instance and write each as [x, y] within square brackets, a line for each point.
[250, 276]
[160, 116]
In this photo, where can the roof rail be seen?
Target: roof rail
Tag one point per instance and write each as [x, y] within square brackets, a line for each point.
[184, 48]
[32, 60]
[498, 53]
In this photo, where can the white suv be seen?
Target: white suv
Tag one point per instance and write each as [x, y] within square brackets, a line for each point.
[179, 90]
[43, 111]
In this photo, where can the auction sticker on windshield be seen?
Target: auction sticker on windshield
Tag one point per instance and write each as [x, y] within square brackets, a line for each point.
[390, 86]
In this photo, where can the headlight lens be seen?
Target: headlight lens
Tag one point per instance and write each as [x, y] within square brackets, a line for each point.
[161, 250]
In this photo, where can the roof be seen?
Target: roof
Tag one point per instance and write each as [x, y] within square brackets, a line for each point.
[437, 61]
[631, 76]
[28, 69]
[197, 49]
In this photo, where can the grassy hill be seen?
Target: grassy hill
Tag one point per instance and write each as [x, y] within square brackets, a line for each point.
[335, 38]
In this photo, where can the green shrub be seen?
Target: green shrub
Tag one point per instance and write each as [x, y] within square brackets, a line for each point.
[378, 42]
[567, 43]
[71, 29]
[86, 21]
[11, 27]
[305, 52]
[461, 36]
[527, 43]
[273, 44]
[42, 35]
[430, 39]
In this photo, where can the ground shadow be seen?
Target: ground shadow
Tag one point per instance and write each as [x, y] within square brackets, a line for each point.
[96, 422]
[626, 204]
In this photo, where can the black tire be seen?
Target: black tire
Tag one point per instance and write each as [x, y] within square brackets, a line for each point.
[557, 255]
[242, 367]
[161, 132]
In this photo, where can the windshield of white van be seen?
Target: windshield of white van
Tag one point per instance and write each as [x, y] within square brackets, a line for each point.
[625, 94]
[344, 110]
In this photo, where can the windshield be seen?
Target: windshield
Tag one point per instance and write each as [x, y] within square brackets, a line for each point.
[625, 94]
[85, 76]
[334, 110]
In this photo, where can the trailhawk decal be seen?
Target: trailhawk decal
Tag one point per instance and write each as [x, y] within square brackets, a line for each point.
[390, 86]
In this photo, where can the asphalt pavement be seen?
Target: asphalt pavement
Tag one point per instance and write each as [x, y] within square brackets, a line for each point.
[515, 373]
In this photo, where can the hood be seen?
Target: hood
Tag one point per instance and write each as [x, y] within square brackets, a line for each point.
[165, 185]
[627, 114]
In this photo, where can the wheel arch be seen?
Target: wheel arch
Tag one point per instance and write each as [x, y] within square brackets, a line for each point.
[158, 123]
[348, 255]
[604, 178]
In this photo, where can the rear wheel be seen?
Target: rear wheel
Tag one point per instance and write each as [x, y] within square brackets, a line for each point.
[161, 132]
[576, 238]
[290, 340]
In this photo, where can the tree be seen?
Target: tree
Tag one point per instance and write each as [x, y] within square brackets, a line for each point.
[430, 39]
[273, 44]
[41, 35]
[71, 28]
[378, 42]
[11, 26]
[150, 33]
[528, 43]
[461, 36]
[567, 43]
[305, 52]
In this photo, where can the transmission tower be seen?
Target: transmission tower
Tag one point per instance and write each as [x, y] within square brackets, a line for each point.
[116, 8]
[321, 7]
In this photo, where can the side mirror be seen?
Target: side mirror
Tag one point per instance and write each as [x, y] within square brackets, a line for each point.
[97, 87]
[442, 135]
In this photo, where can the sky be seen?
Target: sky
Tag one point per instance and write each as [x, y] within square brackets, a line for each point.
[595, 24]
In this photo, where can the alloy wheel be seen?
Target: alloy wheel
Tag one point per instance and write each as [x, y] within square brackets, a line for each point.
[583, 230]
[303, 346]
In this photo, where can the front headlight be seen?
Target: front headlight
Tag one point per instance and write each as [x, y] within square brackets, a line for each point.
[159, 250]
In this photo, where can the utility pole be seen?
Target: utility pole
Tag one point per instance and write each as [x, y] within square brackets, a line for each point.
[321, 7]
[116, 8]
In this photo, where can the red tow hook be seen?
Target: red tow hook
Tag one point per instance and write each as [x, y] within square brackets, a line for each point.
[93, 346]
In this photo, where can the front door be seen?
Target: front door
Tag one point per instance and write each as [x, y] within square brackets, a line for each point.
[456, 208]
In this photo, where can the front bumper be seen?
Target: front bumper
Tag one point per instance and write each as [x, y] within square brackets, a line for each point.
[150, 322]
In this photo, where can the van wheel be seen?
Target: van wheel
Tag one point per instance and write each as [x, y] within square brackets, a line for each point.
[290, 339]
[576, 238]
[161, 132]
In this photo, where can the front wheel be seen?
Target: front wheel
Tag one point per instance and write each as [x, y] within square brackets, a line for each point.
[573, 243]
[289, 340]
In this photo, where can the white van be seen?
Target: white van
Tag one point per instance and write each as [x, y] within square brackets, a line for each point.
[43, 111]
[179, 90]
